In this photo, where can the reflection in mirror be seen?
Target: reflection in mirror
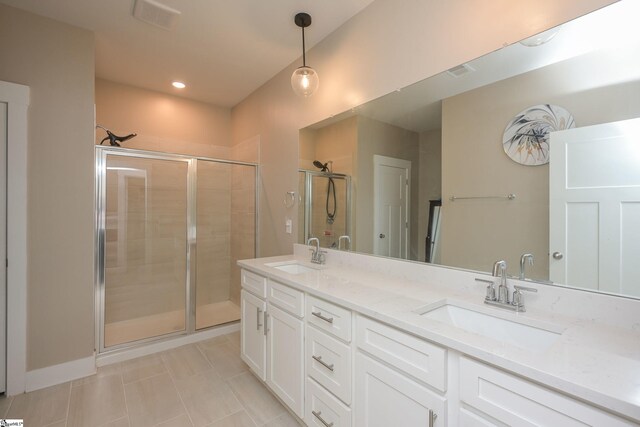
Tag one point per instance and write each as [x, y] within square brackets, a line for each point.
[448, 193]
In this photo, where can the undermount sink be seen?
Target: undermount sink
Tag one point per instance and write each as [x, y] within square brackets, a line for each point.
[504, 328]
[291, 267]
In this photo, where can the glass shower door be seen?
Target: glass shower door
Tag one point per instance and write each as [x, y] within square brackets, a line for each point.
[145, 248]
[226, 215]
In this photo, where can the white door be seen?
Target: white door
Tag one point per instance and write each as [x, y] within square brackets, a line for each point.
[253, 335]
[285, 374]
[3, 246]
[384, 397]
[594, 207]
[391, 192]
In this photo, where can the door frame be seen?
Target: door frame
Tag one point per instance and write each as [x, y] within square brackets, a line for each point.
[378, 161]
[17, 98]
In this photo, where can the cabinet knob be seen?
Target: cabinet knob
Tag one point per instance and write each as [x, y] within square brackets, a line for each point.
[382, 236]
[557, 255]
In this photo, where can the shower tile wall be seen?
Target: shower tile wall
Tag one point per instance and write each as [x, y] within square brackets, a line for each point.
[145, 240]
[146, 244]
[243, 222]
[213, 234]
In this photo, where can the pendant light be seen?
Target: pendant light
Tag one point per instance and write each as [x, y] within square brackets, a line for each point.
[304, 80]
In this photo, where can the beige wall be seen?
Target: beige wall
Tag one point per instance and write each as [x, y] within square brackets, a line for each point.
[389, 45]
[163, 122]
[383, 139]
[477, 233]
[56, 61]
[429, 181]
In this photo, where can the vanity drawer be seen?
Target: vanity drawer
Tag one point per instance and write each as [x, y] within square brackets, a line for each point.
[285, 297]
[421, 359]
[329, 318]
[254, 283]
[515, 401]
[323, 406]
[329, 363]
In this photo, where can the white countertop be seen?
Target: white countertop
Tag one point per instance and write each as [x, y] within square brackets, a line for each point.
[593, 361]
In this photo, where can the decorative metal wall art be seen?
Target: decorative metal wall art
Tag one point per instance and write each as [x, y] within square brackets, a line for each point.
[114, 139]
[526, 137]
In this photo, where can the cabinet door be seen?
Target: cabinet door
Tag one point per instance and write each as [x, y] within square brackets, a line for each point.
[515, 401]
[285, 374]
[253, 335]
[385, 397]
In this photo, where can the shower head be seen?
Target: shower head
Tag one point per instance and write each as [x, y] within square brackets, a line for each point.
[322, 166]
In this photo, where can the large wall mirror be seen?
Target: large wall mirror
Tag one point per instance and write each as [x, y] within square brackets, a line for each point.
[532, 149]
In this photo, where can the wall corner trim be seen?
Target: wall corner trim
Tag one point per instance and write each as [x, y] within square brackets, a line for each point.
[58, 374]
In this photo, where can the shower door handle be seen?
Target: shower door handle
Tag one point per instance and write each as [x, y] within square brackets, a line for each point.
[258, 324]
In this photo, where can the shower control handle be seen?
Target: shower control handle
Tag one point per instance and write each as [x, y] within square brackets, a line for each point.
[258, 324]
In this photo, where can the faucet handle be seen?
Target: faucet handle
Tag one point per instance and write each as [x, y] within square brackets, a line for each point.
[518, 297]
[491, 289]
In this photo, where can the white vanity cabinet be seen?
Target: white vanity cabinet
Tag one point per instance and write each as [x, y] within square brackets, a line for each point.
[395, 377]
[511, 400]
[253, 337]
[329, 362]
[285, 371]
[334, 367]
[272, 337]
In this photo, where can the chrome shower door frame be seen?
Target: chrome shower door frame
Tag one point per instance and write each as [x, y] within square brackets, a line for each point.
[101, 153]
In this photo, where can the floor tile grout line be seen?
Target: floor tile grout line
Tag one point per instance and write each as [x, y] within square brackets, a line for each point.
[124, 393]
[181, 399]
[66, 416]
[6, 413]
[244, 408]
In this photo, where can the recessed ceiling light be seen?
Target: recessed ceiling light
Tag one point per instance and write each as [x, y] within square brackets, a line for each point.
[179, 85]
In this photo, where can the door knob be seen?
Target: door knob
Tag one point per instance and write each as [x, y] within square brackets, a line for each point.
[557, 255]
[381, 236]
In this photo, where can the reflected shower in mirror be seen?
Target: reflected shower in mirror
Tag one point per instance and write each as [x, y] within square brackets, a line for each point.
[451, 194]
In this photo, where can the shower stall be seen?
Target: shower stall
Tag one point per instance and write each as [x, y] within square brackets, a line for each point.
[169, 230]
[325, 206]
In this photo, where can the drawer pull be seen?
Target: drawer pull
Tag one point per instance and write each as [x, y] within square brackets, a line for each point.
[266, 323]
[322, 362]
[320, 316]
[318, 415]
[432, 418]
[258, 324]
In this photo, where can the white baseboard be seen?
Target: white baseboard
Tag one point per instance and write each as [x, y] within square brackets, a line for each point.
[58, 374]
[76, 369]
[117, 356]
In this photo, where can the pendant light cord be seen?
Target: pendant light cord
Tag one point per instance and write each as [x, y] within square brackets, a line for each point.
[304, 56]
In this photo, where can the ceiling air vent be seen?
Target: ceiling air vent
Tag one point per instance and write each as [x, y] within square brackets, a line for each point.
[157, 14]
[460, 70]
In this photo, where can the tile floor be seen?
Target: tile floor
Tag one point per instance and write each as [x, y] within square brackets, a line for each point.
[203, 384]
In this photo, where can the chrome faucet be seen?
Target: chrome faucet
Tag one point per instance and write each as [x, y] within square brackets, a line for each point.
[502, 300]
[317, 255]
[345, 238]
[523, 260]
[500, 268]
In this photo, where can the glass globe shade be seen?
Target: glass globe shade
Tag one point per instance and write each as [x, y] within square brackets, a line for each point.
[304, 81]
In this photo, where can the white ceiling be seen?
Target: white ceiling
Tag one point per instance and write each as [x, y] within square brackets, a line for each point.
[222, 49]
